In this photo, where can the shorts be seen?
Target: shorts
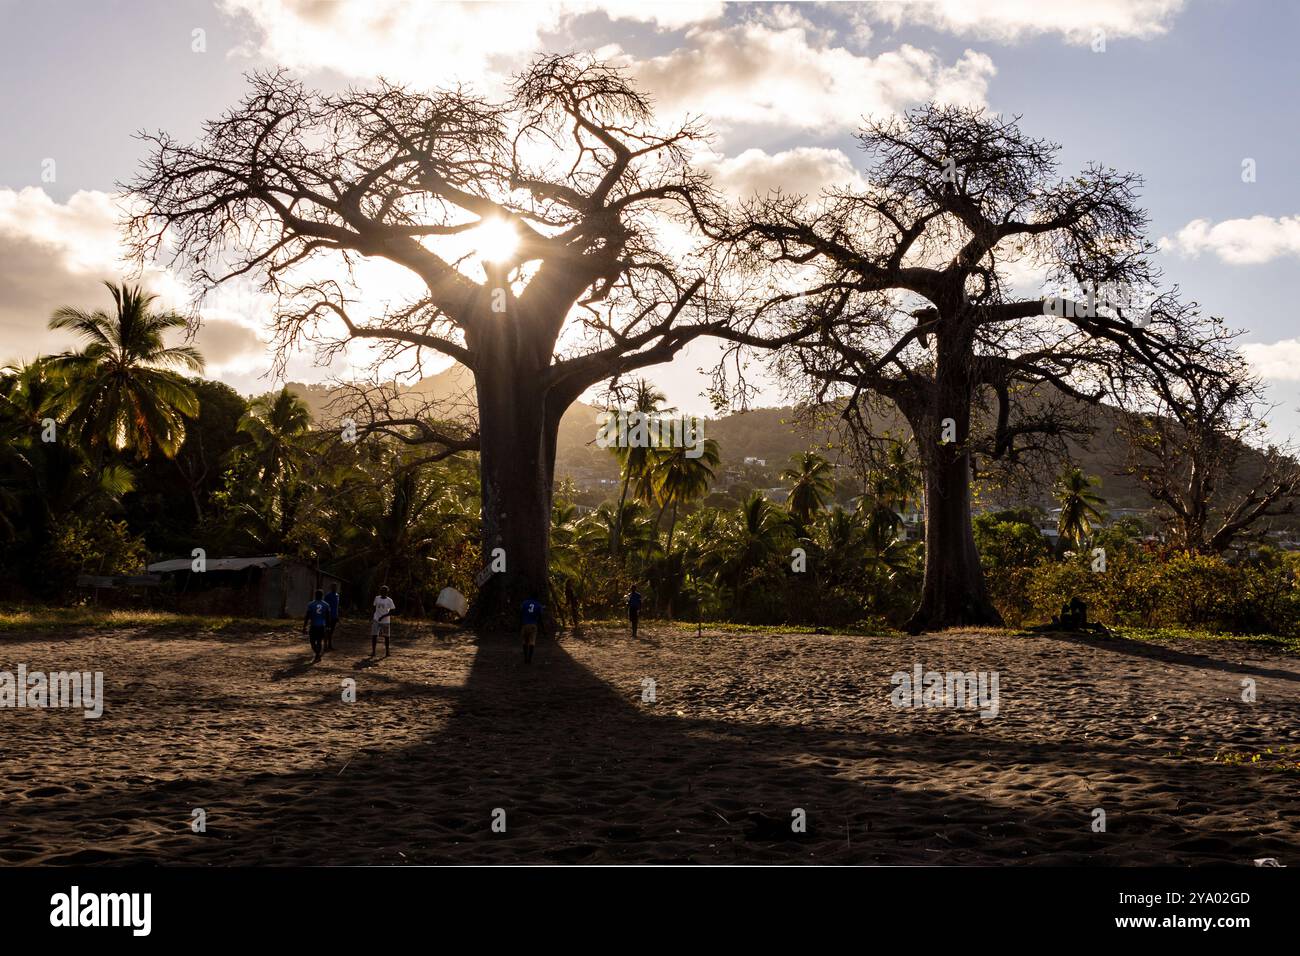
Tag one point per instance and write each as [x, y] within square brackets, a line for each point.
[317, 633]
[530, 634]
[376, 625]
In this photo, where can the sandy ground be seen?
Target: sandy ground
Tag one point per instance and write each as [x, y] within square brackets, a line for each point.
[743, 731]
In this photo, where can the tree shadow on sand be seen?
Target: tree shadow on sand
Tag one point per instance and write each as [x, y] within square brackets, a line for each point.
[582, 771]
[1168, 655]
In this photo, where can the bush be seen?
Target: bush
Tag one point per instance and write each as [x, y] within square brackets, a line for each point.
[1053, 583]
[91, 546]
[1008, 543]
[1150, 590]
[1009, 590]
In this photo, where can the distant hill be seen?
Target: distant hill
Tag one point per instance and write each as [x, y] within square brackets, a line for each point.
[769, 435]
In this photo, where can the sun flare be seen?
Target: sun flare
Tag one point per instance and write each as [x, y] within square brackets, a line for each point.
[496, 240]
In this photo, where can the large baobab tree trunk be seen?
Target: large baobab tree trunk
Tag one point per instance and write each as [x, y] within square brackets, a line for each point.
[518, 420]
[953, 593]
[517, 434]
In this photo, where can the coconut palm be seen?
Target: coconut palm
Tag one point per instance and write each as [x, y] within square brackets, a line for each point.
[1080, 505]
[898, 481]
[875, 510]
[813, 484]
[636, 461]
[679, 478]
[269, 492]
[566, 556]
[275, 425]
[757, 532]
[609, 526]
[41, 480]
[121, 390]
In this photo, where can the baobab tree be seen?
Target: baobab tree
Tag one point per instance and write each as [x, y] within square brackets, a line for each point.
[535, 227]
[909, 284]
[1197, 442]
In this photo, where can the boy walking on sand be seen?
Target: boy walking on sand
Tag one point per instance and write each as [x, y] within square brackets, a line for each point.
[332, 599]
[384, 608]
[315, 622]
[633, 608]
[531, 616]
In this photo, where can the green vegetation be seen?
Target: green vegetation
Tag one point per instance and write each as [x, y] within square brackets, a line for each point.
[158, 464]
[1080, 507]
[1160, 589]
[26, 619]
[1282, 759]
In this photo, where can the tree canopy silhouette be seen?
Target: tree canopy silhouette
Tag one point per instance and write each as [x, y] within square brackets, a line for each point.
[568, 179]
[911, 285]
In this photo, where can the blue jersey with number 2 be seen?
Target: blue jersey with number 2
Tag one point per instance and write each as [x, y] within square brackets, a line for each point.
[320, 613]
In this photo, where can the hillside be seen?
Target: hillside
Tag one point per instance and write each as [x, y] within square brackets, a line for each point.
[768, 435]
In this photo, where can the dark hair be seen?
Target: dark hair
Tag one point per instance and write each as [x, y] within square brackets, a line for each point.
[319, 594]
[383, 589]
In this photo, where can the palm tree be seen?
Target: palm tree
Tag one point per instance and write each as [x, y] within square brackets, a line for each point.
[275, 424]
[813, 479]
[680, 478]
[566, 556]
[121, 389]
[759, 531]
[899, 479]
[40, 480]
[842, 534]
[609, 525]
[636, 462]
[268, 495]
[1080, 505]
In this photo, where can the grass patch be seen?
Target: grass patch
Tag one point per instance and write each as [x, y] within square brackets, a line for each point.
[26, 619]
[39, 618]
[1284, 758]
[730, 627]
[1196, 634]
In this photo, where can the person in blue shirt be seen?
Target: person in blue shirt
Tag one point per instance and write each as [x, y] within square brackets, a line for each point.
[530, 614]
[315, 622]
[633, 608]
[332, 599]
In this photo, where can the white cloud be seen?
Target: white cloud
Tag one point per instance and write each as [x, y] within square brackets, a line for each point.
[55, 254]
[774, 67]
[804, 170]
[666, 14]
[1009, 21]
[753, 73]
[1279, 361]
[51, 254]
[81, 232]
[432, 43]
[1238, 241]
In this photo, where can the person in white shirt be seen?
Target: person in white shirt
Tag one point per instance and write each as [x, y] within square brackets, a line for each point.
[384, 608]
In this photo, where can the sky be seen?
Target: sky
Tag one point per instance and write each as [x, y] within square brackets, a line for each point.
[1195, 95]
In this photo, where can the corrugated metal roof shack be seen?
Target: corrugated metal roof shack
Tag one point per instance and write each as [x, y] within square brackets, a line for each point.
[265, 586]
